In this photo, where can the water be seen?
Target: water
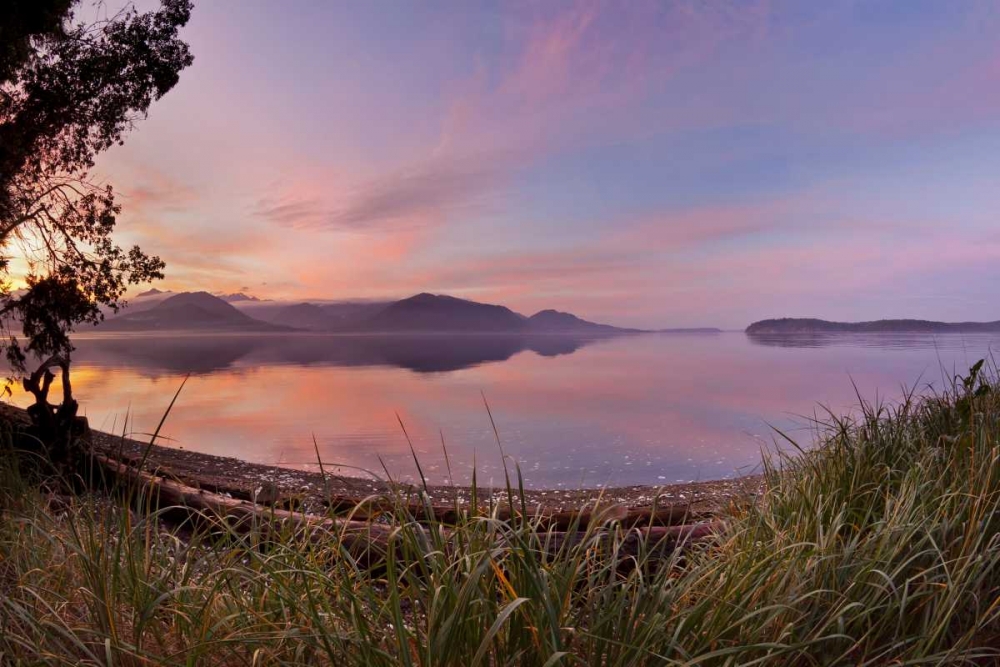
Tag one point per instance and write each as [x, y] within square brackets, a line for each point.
[651, 409]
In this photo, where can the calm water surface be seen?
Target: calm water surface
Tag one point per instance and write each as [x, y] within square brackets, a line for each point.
[633, 410]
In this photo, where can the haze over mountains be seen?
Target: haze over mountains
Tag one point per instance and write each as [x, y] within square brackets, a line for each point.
[187, 310]
[237, 297]
[315, 316]
[423, 313]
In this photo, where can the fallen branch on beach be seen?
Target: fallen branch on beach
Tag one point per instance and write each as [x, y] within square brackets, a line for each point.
[213, 510]
[363, 535]
[545, 519]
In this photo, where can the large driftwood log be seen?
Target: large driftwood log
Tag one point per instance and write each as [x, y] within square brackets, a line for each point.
[367, 540]
[544, 519]
[209, 509]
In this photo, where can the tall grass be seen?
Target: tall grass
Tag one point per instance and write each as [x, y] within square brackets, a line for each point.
[880, 546]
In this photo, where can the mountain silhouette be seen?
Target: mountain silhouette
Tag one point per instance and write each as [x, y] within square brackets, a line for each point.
[301, 316]
[314, 316]
[554, 321]
[189, 311]
[422, 313]
[431, 312]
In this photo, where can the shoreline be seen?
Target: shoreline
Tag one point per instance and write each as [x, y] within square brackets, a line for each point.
[312, 489]
[235, 475]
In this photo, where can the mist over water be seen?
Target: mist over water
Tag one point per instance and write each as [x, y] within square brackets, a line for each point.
[647, 409]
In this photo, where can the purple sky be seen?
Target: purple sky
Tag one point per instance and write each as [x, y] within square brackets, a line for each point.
[650, 164]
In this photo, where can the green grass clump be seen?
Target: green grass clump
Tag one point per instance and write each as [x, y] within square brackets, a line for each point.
[880, 546]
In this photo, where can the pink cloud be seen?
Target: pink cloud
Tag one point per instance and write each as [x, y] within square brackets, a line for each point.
[562, 75]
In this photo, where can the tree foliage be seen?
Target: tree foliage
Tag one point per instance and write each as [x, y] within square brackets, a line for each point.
[70, 90]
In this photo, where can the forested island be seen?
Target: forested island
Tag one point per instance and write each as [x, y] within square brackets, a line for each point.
[802, 325]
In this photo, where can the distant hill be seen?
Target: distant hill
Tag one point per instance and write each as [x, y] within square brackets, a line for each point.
[791, 325]
[350, 313]
[313, 316]
[188, 311]
[300, 316]
[431, 312]
[554, 321]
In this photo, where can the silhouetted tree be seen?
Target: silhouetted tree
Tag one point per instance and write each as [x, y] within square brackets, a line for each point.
[68, 91]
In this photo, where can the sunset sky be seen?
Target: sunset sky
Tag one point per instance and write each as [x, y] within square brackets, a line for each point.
[646, 164]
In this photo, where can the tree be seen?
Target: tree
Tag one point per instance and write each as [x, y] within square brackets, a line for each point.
[68, 91]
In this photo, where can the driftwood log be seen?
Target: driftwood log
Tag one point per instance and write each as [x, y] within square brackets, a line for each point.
[544, 519]
[367, 540]
[205, 509]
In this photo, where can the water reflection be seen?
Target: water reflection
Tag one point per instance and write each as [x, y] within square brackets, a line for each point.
[201, 354]
[633, 410]
[872, 340]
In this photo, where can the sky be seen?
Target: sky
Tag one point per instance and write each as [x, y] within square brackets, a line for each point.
[646, 164]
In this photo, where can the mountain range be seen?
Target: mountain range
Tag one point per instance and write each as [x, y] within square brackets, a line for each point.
[156, 310]
[423, 313]
[800, 325]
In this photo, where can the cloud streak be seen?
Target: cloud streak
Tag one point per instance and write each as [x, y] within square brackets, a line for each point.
[432, 193]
